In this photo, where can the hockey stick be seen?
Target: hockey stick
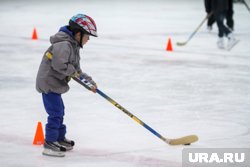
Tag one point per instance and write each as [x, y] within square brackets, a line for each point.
[195, 31]
[186, 140]
[246, 5]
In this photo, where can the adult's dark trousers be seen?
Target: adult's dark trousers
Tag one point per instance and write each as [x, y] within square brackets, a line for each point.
[223, 30]
[229, 16]
[211, 20]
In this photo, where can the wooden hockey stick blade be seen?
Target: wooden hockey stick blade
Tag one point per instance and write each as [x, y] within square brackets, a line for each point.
[181, 43]
[186, 140]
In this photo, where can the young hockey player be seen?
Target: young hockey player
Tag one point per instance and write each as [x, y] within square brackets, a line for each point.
[60, 62]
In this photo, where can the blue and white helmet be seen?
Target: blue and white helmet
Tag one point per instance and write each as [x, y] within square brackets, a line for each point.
[84, 23]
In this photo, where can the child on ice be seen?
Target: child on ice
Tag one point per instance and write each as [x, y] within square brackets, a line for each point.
[60, 62]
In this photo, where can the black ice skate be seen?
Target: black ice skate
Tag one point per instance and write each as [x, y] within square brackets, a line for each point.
[54, 149]
[68, 144]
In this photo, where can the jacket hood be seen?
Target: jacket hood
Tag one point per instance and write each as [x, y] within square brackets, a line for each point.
[64, 34]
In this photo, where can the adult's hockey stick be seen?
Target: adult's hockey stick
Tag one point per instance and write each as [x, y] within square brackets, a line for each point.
[246, 5]
[195, 31]
[186, 140]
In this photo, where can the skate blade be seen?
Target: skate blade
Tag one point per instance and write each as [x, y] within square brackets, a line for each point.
[49, 152]
[232, 45]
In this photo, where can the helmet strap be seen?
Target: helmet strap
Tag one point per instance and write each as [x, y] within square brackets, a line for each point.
[82, 34]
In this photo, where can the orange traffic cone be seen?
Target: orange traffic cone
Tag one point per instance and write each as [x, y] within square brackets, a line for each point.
[34, 35]
[39, 138]
[169, 45]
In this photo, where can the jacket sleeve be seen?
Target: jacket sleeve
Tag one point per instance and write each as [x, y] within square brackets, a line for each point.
[60, 61]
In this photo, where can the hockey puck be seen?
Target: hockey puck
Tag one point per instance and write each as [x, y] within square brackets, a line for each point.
[187, 144]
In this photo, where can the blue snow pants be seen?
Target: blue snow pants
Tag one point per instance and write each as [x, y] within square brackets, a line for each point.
[55, 129]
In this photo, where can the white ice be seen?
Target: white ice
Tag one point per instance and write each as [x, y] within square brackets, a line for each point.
[196, 89]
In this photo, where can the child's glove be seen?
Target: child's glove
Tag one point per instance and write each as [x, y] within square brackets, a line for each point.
[88, 81]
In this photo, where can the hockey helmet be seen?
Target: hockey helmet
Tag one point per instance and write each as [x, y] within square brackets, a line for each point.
[83, 23]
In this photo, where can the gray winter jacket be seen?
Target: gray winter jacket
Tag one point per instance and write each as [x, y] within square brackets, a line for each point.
[60, 61]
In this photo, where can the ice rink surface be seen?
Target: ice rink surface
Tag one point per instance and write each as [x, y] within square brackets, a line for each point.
[196, 89]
